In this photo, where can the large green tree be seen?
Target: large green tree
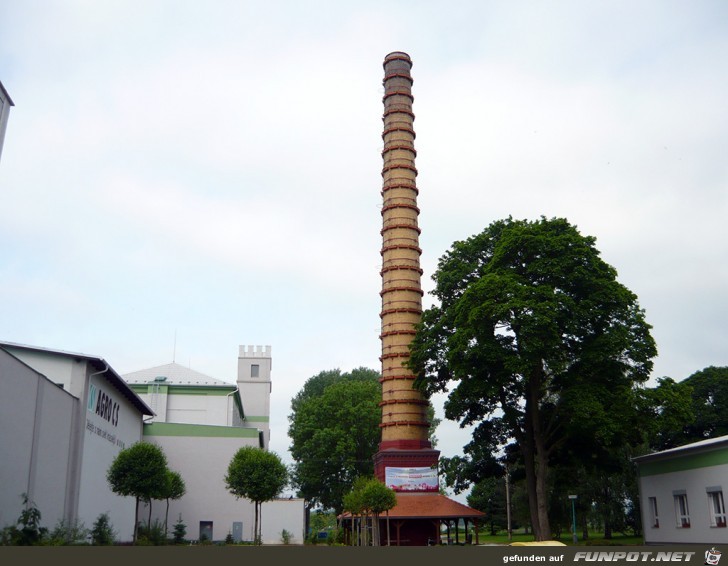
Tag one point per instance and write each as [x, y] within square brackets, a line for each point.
[334, 429]
[540, 339]
[139, 471]
[257, 475]
[489, 496]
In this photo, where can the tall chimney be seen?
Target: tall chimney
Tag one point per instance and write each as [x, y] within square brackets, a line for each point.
[404, 424]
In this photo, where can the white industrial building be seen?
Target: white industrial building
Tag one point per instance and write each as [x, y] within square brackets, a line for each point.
[682, 493]
[65, 416]
[63, 419]
[200, 422]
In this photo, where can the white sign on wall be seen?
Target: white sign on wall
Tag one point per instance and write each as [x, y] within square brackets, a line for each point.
[411, 479]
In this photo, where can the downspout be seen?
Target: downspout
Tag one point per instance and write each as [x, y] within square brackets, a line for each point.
[232, 407]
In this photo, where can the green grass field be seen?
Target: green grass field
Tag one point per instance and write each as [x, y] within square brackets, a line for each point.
[594, 540]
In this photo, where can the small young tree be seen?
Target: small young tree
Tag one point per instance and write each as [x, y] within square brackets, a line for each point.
[369, 496]
[377, 498]
[102, 533]
[180, 530]
[257, 475]
[174, 488]
[139, 471]
[354, 504]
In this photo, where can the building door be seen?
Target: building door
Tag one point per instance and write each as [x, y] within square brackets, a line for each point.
[238, 531]
[205, 530]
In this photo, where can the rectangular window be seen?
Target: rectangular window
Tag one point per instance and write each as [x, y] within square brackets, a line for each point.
[654, 517]
[682, 513]
[717, 509]
[254, 370]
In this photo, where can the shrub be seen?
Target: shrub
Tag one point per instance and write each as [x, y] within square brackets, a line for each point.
[68, 534]
[152, 535]
[27, 530]
[102, 533]
[286, 537]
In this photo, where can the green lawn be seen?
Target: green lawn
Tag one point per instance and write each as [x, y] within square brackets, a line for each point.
[595, 540]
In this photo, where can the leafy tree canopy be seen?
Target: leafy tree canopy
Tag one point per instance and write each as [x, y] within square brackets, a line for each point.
[256, 474]
[540, 340]
[709, 403]
[369, 496]
[139, 471]
[667, 411]
[335, 432]
[314, 386]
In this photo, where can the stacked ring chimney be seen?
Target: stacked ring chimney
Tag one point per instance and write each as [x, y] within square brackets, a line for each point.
[406, 460]
[404, 421]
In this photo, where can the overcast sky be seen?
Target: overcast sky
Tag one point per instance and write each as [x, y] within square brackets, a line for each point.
[180, 178]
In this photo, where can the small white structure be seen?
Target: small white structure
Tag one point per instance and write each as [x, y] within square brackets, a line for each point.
[63, 419]
[200, 423]
[5, 104]
[682, 493]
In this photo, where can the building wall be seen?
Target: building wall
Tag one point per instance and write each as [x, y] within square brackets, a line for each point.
[56, 445]
[111, 424]
[661, 480]
[65, 371]
[201, 455]
[211, 405]
[36, 418]
[279, 514]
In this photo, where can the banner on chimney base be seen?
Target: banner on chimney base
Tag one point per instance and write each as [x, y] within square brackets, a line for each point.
[411, 479]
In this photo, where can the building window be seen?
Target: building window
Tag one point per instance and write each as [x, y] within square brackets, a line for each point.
[205, 531]
[254, 370]
[654, 517]
[717, 507]
[681, 510]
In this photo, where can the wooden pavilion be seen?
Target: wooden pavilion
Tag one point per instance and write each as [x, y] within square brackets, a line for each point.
[418, 520]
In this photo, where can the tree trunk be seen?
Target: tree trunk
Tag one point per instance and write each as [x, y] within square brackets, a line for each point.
[389, 540]
[260, 523]
[255, 524]
[607, 511]
[136, 521]
[166, 518]
[530, 469]
[542, 529]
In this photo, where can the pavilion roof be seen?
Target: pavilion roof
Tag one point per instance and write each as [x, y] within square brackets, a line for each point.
[429, 506]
